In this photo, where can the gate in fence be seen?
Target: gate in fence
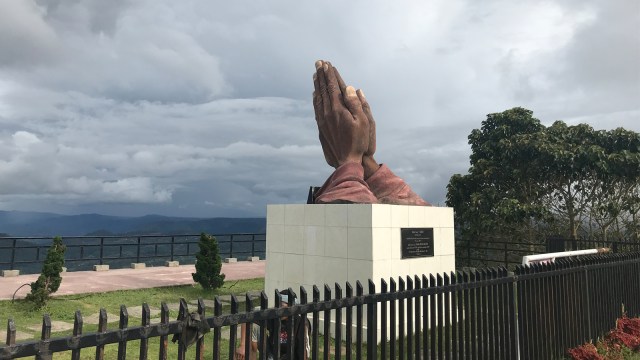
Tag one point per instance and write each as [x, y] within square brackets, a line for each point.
[535, 313]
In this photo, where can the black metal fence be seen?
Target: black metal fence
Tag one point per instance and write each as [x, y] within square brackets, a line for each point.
[538, 312]
[494, 252]
[27, 253]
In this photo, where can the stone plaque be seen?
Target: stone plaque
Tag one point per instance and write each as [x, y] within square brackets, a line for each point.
[416, 242]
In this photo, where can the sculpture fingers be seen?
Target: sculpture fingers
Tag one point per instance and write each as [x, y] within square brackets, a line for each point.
[372, 123]
[323, 90]
[341, 84]
[333, 88]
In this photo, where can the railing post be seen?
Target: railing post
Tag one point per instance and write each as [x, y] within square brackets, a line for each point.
[101, 249]
[138, 251]
[506, 254]
[231, 246]
[13, 253]
[173, 239]
[253, 245]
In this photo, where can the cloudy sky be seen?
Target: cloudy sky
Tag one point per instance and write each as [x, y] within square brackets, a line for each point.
[203, 108]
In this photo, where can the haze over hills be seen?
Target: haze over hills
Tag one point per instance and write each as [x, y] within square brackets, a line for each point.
[22, 223]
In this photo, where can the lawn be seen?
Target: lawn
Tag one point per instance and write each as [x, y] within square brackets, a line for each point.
[62, 309]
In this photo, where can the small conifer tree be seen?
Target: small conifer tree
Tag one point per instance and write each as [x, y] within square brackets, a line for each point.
[208, 263]
[49, 280]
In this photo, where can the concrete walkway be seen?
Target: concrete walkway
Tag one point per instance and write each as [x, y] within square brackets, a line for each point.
[82, 282]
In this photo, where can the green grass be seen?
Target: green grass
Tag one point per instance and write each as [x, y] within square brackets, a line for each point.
[63, 308]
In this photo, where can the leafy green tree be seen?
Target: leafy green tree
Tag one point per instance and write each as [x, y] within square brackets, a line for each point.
[528, 181]
[49, 280]
[501, 192]
[208, 263]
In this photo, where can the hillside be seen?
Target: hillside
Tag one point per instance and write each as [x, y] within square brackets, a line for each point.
[19, 223]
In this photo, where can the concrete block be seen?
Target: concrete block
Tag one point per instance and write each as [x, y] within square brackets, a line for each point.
[10, 273]
[172, 263]
[253, 258]
[64, 269]
[138, 265]
[231, 260]
[100, 267]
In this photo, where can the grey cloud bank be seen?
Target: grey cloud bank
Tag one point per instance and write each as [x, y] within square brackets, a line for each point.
[200, 108]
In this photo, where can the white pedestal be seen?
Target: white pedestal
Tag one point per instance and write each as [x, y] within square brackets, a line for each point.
[326, 244]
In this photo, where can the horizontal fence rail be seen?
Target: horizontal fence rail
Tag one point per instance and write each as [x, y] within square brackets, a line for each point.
[538, 312]
[82, 252]
[494, 252]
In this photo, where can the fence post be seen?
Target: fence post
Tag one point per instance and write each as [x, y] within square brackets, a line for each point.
[587, 291]
[231, 246]
[372, 334]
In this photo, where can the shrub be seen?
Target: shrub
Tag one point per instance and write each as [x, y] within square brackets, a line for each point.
[208, 263]
[49, 280]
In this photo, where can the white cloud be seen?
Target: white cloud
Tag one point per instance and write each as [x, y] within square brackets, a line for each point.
[204, 108]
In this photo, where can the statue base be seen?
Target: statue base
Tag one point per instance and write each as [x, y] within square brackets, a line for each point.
[317, 244]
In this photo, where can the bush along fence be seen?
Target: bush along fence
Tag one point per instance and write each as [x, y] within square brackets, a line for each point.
[538, 312]
[27, 253]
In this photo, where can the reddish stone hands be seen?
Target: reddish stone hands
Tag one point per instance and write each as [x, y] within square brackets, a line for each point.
[347, 133]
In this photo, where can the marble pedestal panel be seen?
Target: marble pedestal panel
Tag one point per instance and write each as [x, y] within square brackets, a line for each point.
[313, 244]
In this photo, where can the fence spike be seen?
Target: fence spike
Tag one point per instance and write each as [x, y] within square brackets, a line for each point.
[277, 298]
[77, 323]
[264, 299]
[327, 292]
[303, 295]
[359, 288]
[401, 284]
[146, 314]
[123, 324]
[217, 311]
[124, 317]
[164, 320]
[234, 304]
[416, 281]
[291, 301]
[46, 327]
[247, 301]
[184, 308]
[409, 283]
[316, 294]
[338, 290]
[425, 281]
[11, 332]
[146, 321]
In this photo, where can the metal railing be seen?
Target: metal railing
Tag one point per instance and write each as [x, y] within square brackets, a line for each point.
[538, 312]
[82, 252]
[494, 252]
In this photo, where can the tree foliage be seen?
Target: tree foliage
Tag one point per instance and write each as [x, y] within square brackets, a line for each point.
[49, 280]
[527, 181]
[208, 263]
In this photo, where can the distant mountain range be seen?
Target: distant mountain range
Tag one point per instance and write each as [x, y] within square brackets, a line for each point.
[24, 223]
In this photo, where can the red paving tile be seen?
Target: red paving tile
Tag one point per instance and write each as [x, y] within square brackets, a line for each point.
[81, 282]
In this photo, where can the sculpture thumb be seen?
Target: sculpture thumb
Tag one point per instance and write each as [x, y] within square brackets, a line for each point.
[352, 101]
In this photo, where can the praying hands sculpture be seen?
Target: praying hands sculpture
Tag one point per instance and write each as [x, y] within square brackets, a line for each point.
[348, 138]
